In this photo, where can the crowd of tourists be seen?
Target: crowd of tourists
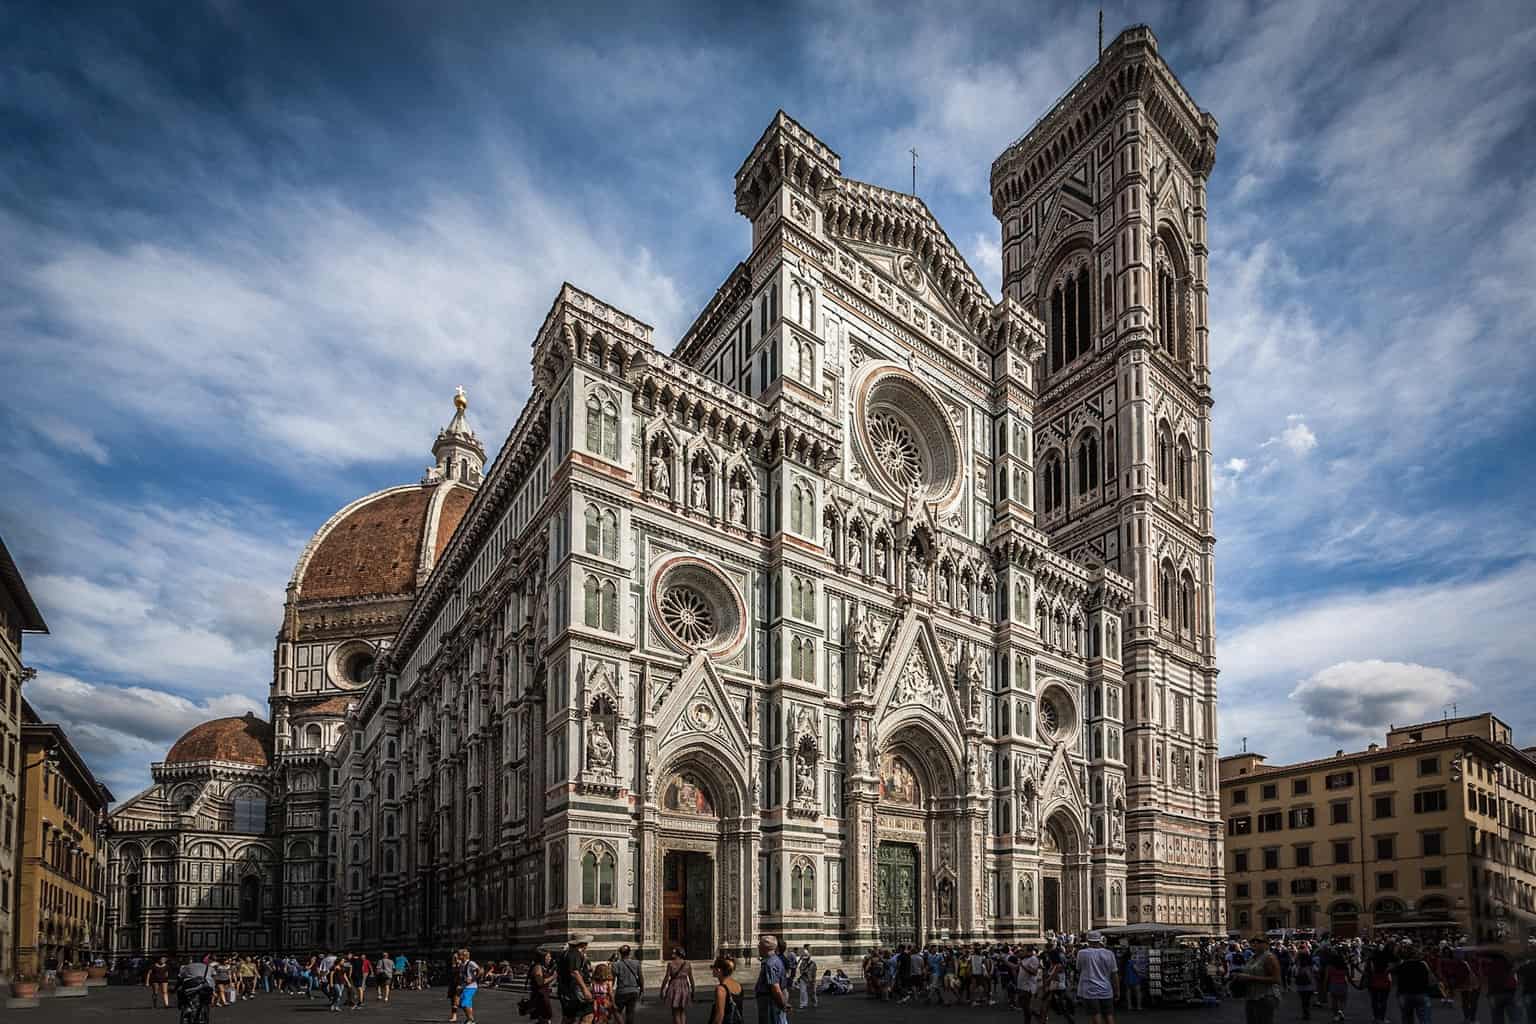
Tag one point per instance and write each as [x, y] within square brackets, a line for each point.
[1059, 979]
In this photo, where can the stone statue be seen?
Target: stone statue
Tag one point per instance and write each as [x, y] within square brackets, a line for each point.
[944, 587]
[855, 552]
[828, 537]
[880, 560]
[984, 603]
[1117, 826]
[868, 644]
[973, 677]
[917, 575]
[805, 779]
[599, 749]
[738, 502]
[860, 748]
[661, 477]
[699, 493]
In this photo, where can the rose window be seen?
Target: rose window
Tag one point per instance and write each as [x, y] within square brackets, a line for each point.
[696, 607]
[904, 437]
[1050, 719]
[895, 449]
[688, 616]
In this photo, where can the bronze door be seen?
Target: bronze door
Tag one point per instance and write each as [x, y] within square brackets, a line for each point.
[1050, 904]
[896, 893]
[699, 912]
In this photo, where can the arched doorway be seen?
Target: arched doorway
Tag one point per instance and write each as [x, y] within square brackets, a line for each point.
[917, 864]
[700, 859]
[1062, 870]
[1344, 919]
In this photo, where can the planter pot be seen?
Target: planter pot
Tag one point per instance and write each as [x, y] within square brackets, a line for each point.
[24, 989]
[73, 979]
[96, 973]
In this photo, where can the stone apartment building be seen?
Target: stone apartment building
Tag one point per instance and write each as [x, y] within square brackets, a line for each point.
[18, 615]
[61, 912]
[1432, 830]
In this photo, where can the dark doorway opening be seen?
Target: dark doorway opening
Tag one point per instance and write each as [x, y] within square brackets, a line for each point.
[687, 904]
[1050, 904]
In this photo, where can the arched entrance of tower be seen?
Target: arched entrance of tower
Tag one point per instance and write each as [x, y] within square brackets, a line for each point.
[700, 857]
[918, 857]
[1064, 871]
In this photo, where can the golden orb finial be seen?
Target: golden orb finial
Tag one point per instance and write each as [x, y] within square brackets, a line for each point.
[460, 399]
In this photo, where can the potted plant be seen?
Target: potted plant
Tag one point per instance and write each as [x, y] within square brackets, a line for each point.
[72, 976]
[96, 972]
[24, 986]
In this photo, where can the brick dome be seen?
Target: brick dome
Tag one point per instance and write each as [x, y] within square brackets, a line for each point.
[383, 543]
[243, 739]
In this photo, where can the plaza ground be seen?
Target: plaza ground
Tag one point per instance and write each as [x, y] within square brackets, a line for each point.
[130, 1005]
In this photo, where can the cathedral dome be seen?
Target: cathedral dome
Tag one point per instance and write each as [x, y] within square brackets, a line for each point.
[385, 544]
[243, 739]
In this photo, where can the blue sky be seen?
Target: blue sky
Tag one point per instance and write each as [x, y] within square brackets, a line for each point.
[251, 248]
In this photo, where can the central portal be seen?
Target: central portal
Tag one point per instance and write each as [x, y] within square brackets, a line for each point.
[687, 903]
[896, 894]
[1050, 904]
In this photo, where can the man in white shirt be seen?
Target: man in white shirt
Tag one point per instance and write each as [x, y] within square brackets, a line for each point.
[1029, 979]
[1098, 979]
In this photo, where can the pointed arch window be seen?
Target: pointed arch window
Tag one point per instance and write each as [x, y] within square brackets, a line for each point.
[1185, 469]
[1087, 463]
[1053, 485]
[602, 526]
[602, 426]
[1187, 605]
[1164, 455]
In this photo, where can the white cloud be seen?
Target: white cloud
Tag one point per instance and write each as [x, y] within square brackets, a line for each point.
[1236, 466]
[71, 437]
[1297, 437]
[1359, 700]
[986, 258]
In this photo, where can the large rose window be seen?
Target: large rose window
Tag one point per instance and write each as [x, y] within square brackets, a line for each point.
[906, 441]
[696, 606]
[1056, 720]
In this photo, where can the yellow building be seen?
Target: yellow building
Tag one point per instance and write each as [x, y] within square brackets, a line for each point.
[62, 906]
[18, 615]
[1430, 832]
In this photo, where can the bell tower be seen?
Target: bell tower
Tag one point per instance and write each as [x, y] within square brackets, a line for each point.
[1102, 205]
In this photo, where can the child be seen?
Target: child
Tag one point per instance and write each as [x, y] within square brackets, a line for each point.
[602, 993]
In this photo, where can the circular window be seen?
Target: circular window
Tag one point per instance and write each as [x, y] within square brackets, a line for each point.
[696, 606]
[905, 439]
[1056, 720]
[351, 664]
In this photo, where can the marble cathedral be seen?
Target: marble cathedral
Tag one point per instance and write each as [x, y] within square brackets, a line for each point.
[876, 610]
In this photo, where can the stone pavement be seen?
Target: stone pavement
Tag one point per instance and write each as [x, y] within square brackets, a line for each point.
[130, 1005]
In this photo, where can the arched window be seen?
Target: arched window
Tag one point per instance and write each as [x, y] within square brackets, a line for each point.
[1087, 463]
[312, 737]
[1053, 485]
[1185, 469]
[1098, 890]
[1109, 297]
[1187, 604]
[134, 908]
[1058, 336]
[1084, 341]
[389, 787]
[250, 898]
[250, 813]
[602, 529]
[610, 607]
[602, 426]
[592, 602]
[794, 888]
[1165, 596]
[1116, 900]
[1164, 455]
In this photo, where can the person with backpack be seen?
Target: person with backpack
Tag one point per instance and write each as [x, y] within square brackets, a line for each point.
[628, 984]
[728, 996]
[1416, 986]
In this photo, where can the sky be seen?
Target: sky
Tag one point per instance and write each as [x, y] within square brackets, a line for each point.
[252, 248]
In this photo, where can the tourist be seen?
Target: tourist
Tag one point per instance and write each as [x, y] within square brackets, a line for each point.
[805, 978]
[1257, 981]
[336, 981]
[1377, 978]
[677, 986]
[384, 976]
[1336, 980]
[575, 994]
[628, 984]
[772, 1002]
[158, 980]
[466, 978]
[1098, 980]
[602, 993]
[727, 1007]
[1416, 986]
[541, 981]
[1028, 982]
[1501, 983]
[1304, 980]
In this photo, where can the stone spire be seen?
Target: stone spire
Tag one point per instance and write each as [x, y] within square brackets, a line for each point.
[460, 455]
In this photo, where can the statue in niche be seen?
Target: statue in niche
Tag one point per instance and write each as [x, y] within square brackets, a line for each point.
[917, 574]
[944, 587]
[869, 652]
[599, 749]
[855, 552]
[805, 777]
[880, 560]
[860, 748]
[973, 676]
[738, 502]
[661, 477]
[828, 537]
[700, 492]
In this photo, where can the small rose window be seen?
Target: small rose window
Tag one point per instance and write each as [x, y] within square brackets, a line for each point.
[697, 607]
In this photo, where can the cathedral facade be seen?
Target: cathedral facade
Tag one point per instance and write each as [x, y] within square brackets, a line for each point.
[877, 610]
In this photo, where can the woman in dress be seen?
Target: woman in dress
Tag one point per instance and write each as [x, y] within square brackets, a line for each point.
[677, 986]
[727, 1008]
[541, 981]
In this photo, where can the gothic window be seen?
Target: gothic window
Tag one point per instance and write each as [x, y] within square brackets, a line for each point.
[802, 660]
[1109, 453]
[1185, 469]
[803, 598]
[1187, 604]
[805, 362]
[1166, 596]
[602, 426]
[1083, 342]
[597, 873]
[312, 739]
[602, 532]
[1109, 297]
[1116, 907]
[1052, 483]
[600, 604]
[557, 875]
[1164, 455]
[1087, 463]
[250, 813]
[1058, 337]
[802, 507]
